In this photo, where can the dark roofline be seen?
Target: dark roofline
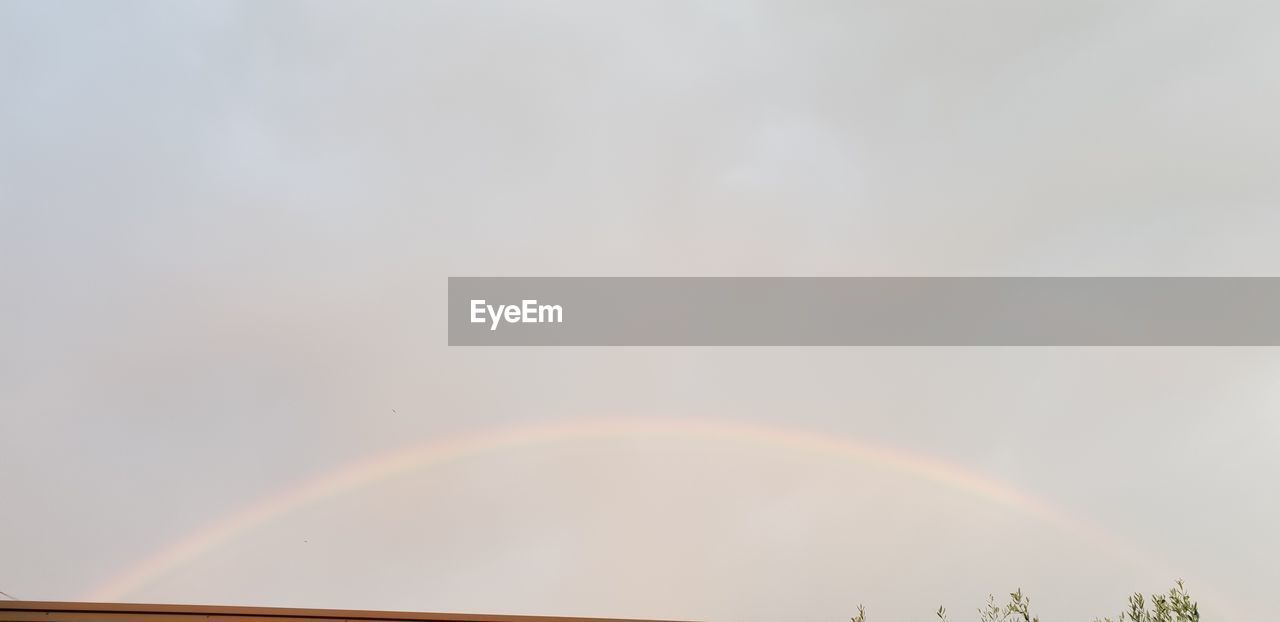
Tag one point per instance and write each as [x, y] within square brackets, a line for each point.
[27, 611]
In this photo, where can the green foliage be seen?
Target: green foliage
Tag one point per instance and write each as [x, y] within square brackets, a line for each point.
[862, 615]
[1175, 606]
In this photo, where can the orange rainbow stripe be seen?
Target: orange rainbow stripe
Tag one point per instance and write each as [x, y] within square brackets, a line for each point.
[435, 452]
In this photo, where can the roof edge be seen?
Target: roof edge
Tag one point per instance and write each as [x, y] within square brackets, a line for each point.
[282, 612]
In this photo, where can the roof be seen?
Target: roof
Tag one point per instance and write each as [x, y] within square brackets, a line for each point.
[38, 611]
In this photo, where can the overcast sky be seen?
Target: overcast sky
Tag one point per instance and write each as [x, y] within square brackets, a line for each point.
[225, 232]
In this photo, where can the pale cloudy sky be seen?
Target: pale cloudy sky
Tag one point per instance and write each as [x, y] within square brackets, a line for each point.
[225, 230]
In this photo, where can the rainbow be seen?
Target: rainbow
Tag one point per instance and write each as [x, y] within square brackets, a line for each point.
[435, 452]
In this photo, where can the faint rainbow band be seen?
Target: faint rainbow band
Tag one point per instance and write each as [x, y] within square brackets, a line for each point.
[434, 452]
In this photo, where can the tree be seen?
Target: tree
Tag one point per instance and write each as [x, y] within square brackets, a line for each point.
[1175, 606]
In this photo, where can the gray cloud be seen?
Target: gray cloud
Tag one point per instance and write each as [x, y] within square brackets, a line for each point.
[225, 229]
